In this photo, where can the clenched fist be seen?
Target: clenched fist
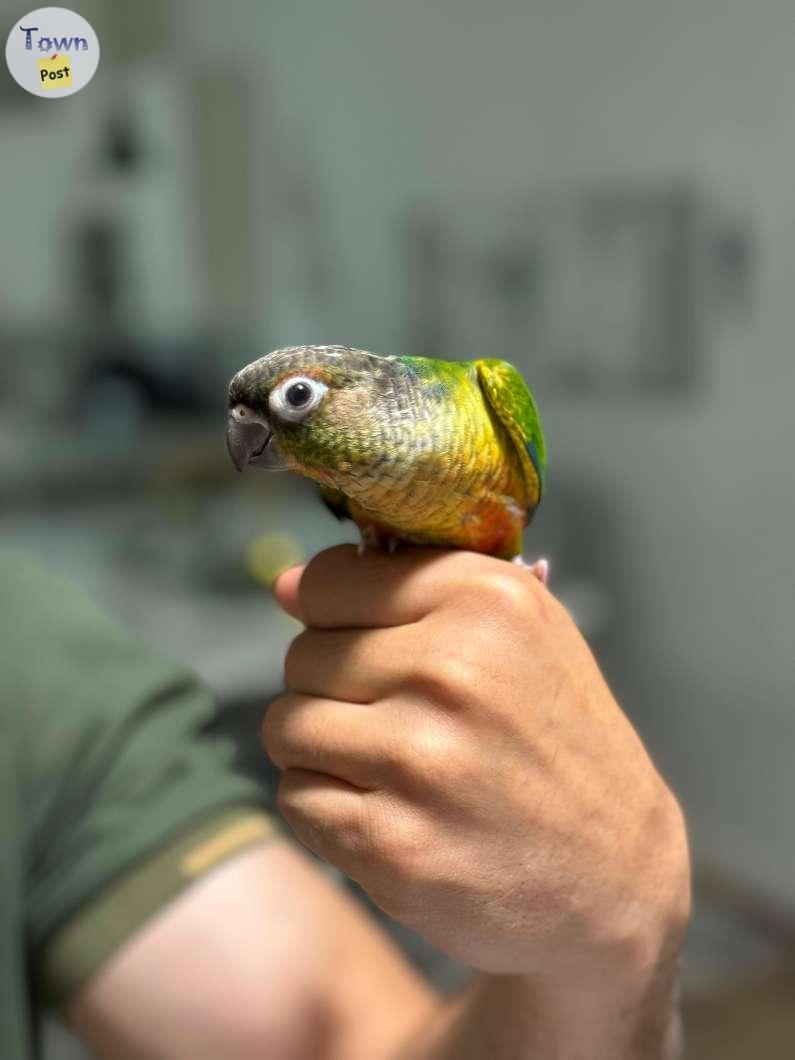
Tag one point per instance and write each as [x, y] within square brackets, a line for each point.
[447, 740]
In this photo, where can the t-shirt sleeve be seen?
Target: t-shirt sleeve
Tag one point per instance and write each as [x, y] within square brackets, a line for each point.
[125, 795]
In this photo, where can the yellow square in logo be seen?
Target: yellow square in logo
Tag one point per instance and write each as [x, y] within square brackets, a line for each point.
[55, 72]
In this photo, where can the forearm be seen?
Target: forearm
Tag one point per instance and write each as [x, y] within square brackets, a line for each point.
[517, 1017]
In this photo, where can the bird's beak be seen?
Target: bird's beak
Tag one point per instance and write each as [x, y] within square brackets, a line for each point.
[250, 440]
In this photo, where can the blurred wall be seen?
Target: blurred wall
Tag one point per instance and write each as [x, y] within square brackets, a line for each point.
[396, 103]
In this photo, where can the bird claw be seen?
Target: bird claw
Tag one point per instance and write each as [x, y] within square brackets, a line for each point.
[372, 537]
[540, 568]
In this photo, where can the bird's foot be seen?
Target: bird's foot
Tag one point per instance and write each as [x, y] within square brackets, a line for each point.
[540, 568]
[372, 537]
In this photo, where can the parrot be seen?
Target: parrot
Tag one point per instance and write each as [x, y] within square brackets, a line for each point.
[415, 450]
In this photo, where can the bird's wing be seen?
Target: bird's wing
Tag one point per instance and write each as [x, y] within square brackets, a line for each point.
[508, 396]
[336, 502]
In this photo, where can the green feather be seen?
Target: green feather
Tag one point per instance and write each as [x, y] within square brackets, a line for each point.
[509, 398]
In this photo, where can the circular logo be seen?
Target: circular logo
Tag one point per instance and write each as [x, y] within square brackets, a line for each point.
[52, 52]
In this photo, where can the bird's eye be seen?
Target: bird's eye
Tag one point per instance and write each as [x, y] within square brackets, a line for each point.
[298, 395]
[295, 398]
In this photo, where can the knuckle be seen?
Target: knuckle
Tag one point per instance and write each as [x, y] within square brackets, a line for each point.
[465, 564]
[340, 834]
[448, 680]
[503, 590]
[301, 813]
[289, 732]
[434, 752]
[457, 573]
[447, 763]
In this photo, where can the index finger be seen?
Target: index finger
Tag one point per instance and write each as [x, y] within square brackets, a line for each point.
[340, 588]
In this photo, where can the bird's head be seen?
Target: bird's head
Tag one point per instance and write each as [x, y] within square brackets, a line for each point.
[306, 409]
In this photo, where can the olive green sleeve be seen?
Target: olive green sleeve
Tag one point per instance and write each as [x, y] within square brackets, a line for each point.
[116, 772]
[94, 932]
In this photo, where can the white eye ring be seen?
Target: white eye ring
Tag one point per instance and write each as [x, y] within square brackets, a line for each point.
[282, 398]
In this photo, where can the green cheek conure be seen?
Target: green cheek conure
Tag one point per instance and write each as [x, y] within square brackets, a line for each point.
[414, 450]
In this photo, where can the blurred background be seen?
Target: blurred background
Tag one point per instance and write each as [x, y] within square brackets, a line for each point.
[602, 193]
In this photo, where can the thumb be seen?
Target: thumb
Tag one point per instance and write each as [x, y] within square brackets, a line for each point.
[285, 589]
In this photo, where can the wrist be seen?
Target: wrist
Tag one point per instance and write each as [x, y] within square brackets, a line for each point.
[621, 1019]
[618, 999]
[532, 1016]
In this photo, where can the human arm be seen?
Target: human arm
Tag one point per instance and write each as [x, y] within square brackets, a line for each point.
[264, 957]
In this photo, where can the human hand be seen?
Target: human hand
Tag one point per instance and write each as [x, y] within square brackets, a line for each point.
[448, 741]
